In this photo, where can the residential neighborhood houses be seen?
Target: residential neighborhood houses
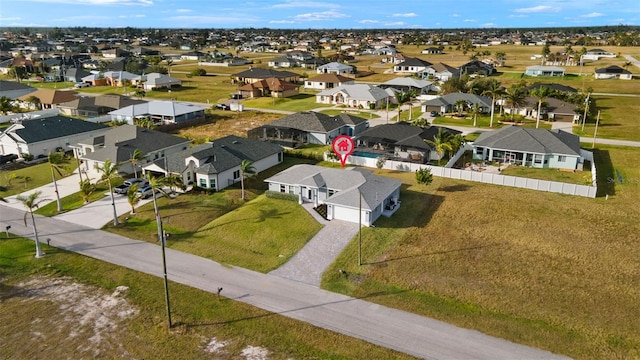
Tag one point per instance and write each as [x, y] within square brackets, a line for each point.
[414, 106]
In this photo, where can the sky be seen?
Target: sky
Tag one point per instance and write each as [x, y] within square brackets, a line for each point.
[319, 14]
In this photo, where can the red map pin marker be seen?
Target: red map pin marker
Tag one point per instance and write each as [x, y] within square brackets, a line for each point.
[343, 146]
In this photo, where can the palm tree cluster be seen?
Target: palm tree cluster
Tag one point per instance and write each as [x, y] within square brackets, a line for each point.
[445, 142]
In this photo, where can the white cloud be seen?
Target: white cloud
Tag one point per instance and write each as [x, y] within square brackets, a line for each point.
[183, 10]
[539, 8]
[208, 19]
[490, 25]
[455, 15]
[512, 16]
[320, 16]
[469, 20]
[369, 21]
[304, 4]
[395, 24]
[405, 15]
[592, 15]
[282, 22]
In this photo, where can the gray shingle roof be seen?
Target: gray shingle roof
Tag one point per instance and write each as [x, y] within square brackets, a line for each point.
[260, 73]
[54, 127]
[402, 134]
[452, 98]
[521, 139]
[316, 122]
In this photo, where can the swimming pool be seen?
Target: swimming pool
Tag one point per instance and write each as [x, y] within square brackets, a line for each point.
[366, 154]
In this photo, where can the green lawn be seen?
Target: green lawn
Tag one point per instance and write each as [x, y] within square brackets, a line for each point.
[483, 121]
[139, 331]
[618, 119]
[522, 265]
[577, 177]
[21, 178]
[74, 201]
[300, 102]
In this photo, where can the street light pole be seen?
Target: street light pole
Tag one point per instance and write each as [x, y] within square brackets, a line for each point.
[166, 281]
[360, 229]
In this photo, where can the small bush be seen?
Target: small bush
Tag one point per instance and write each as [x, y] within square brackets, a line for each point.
[281, 196]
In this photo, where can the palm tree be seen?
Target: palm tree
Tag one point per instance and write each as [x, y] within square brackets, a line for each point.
[460, 105]
[135, 158]
[32, 202]
[440, 143]
[34, 102]
[456, 141]
[133, 197]
[475, 110]
[86, 189]
[540, 93]
[57, 160]
[174, 181]
[5, 105]
[246, 169]
[495, 90]
[515, 98]
[109, 172]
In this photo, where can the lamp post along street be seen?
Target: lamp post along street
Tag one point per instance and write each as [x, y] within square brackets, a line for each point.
[595, 132]
[586, 110]
[166, 280]
[360, 229]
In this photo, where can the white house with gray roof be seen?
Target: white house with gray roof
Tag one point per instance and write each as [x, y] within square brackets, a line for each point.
[336, 68]
[216, 165]
[405, 84]
[539, 148]
[348, 194]
[363, 96]
[159, 112]
[447, 103]
[43, 135]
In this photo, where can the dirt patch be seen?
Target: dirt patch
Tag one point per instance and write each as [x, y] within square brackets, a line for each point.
[85, 314]
[228, 123]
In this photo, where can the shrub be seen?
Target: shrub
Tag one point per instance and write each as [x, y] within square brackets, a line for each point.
[198, 72]
[281, 196]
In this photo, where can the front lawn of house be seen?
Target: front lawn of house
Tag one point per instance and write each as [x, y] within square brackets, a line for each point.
[20, 177]
[575, 177]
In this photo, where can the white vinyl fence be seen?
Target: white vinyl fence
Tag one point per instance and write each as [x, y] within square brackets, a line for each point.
[488, 178]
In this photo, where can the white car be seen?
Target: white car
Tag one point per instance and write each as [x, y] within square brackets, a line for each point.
[81, 85]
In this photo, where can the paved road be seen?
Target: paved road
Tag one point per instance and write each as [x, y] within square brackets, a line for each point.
[408, 333]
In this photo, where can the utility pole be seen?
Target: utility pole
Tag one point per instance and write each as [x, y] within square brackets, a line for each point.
[166, 281]
[586, 109]
[360, 229]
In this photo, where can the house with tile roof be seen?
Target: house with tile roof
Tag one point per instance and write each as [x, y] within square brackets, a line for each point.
[412, 66]
[364, 96]
[270, 87]
[49, 98]
[159, 112]
[350, 194]
[40, 136]
[118, 144]
[216, 165]
[309, 127]
[538, 148]
[400, 141]
[327, 81]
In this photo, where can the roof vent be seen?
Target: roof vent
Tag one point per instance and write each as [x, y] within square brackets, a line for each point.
[236, 142]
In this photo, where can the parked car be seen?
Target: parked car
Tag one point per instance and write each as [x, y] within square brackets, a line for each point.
[8, 158]
[145, 191]
[223, 107]
[433, 114]
[122, 189]
[81, 85]
[236, 96]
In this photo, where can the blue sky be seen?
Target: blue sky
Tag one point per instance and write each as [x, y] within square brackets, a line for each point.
[319, 14]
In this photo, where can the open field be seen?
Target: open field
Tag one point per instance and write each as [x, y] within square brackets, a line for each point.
[66, 304]
[552, 271]
[227, 123]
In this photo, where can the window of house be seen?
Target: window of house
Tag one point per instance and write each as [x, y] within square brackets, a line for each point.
[279, 157]
[203, 183]
[283, 188]
[236, 174]
[212, 183]
[291, 189]
[537, 159]
[562, 158]
[331, 192]
[479, 150]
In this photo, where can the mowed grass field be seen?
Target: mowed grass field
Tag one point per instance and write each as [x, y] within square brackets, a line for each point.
[552, 271]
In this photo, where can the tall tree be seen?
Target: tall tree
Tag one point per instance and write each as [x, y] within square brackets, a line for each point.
[34, 102]
[6, 105]
[109, 172]
[440, 143]
[541, 94]
[496, 91]
[515, 98]
[57, 162]
[133, 197]
[32, 202]
[475, 111]
[246, 169]
[86, 189]
[460, 104]
[134, 159]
